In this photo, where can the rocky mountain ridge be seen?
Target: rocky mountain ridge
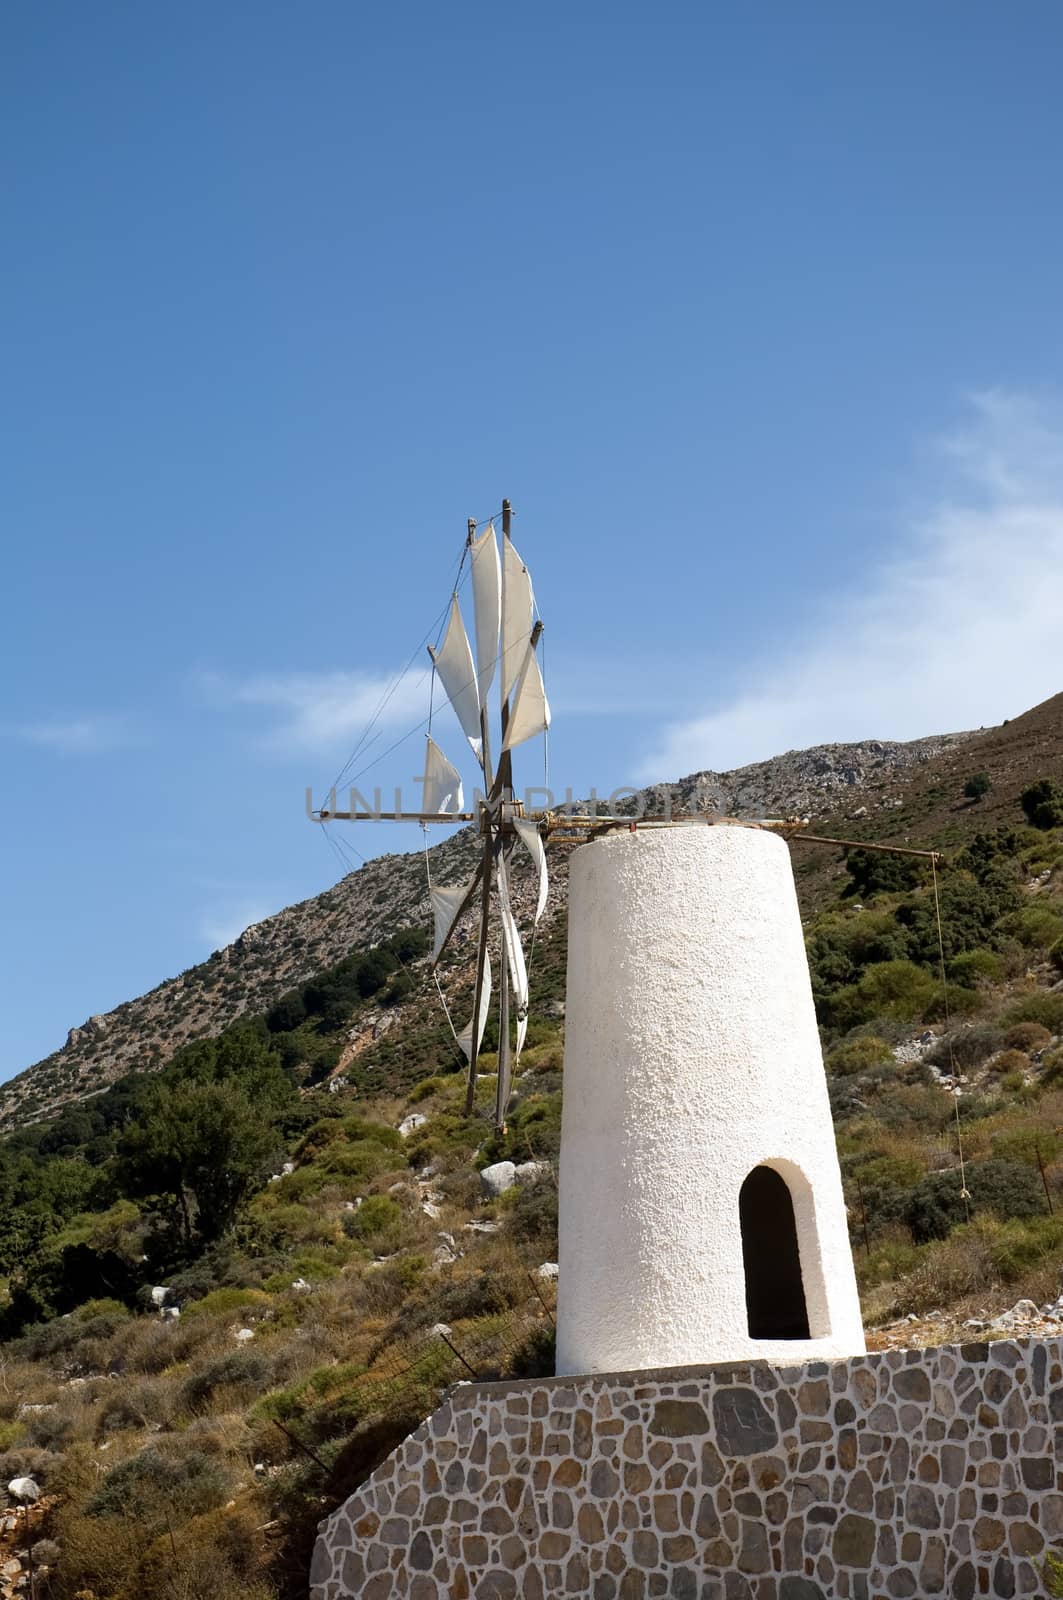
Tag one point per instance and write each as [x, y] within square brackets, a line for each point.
[272, 956]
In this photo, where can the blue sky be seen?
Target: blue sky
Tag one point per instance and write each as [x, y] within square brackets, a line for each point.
[752, 311]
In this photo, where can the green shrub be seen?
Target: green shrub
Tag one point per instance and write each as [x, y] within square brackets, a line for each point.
[1027, 1036]
[226, 1300]
[363, 1158]
[874, 872]
[113, 1311]
[536, 1355]
[977, 785]
[1015, 1247]
[532, 1215]
[1053, 1575]
[153, 1486]
[1037, 927]
[1047, 1009]
[1052, 1067]
[857, 1055]
[1043, 803]
[244, 1370]
[318, 1137]
[380, 1224]
[1007, 1188]
[427, 1088]
[1055, 954]
[359, 1128]
[1010, 1062]
[967, 1048]
[896, 989]
[973, 967]
[533, 1127]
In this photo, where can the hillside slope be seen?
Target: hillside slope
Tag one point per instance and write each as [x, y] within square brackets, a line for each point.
[272, 956]
[298, 1251]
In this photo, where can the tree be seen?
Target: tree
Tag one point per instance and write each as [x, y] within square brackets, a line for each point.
[198, 1152]
[1043, 803]
[977, 786]
[873, 872]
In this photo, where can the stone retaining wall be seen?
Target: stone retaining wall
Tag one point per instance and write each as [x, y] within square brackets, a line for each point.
[908, 1473]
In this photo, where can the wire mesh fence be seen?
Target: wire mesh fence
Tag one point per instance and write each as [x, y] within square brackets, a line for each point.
[513, 1343]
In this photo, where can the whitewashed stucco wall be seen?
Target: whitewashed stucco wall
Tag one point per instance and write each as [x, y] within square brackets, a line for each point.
[691, 1056]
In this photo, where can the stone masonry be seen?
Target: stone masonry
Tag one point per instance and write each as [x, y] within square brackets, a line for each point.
[907, 1473]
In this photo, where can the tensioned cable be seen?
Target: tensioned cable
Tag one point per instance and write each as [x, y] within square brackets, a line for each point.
[341, 849]
[437, 627]
[354, 777]
[428, 874]
[965, 1195]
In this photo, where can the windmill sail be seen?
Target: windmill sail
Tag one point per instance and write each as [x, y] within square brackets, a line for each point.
[518, 607]
[530, 837]
[453, 662]
[518, 972]
[499, 645]
[447, 906]
[441, 781]
[487, 606]
[530, 713]
[465, 1036]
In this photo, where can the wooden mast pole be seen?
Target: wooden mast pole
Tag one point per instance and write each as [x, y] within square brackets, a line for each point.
[505, 793]
[485, 901]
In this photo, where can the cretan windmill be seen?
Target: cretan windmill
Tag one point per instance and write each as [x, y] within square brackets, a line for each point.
[498, 696]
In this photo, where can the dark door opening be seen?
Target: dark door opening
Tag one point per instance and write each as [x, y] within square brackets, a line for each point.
[775, 1293]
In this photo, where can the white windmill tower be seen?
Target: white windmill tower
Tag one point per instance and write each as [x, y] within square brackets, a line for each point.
[701, 1209]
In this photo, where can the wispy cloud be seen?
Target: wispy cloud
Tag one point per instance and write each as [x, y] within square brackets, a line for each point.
[964, 629]
[223, 924]
[324, 711]
[84, 735]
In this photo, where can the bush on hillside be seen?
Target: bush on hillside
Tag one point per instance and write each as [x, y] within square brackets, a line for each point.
[896, 989]
[1010, 1062]
[966, 1049]
[154, 1486]
[857, 1055]
[1027, 1036]
[1047, 1009]
[381, 1225]
[936, 1205]
[244, 1371]
[874, 872]
[972, 968]
[977, 785]
[1055, 954]
[532, 1217]
[1036, 927]
[1043, 803]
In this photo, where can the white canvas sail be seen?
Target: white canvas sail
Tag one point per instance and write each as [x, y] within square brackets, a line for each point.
[465, 1036]
[529, 712]
[453, 662]
[532, 840]
[487, 606]
[515, 974]
[446, 907]
[518, 608]
[518, 972]
[441, 782]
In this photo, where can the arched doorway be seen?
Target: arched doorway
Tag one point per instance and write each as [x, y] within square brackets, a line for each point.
[775, 1291]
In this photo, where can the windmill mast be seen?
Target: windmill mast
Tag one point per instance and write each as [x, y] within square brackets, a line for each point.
[487, 861]
[505, 848]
